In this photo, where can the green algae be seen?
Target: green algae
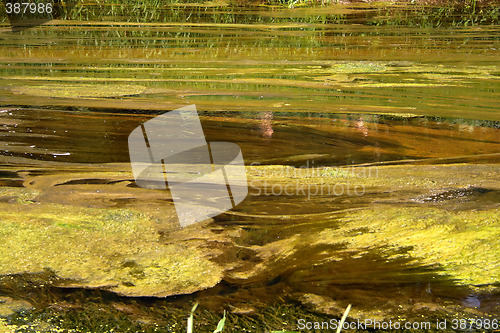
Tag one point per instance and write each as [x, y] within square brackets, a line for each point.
[117, 250]
[458, 237]
[356, 67]
[394, 177]
[75, 90]
[406, 92]
[19, 194]
[464, 244]
[233, 86]
[380, 74]
[133, 254]
[124, 315]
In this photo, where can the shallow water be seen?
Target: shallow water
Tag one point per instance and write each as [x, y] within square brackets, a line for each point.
[321, 87]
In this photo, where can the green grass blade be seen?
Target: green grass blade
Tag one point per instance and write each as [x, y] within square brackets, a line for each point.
[190, 320]
[344, 317]
[220, 325]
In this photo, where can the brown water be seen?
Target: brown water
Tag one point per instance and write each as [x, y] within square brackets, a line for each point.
[291, 87]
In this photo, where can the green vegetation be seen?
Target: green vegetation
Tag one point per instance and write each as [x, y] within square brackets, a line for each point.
[104, 316]
[114, 249]
[20, 195]
[190, 321]
[416, 13]
[108, 318]
[442, 14]
[68, 245]
[5, 327]
[464, 244]
[383, 75]
[82, 90]
[355, 84]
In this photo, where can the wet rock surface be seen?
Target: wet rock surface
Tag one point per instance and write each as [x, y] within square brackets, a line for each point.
[462, 195]
[10, 306]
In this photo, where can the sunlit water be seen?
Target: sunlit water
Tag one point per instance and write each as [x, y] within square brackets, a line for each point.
[290, 87]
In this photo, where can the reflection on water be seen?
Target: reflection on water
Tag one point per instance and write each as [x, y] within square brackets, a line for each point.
[265, 137]
[292, 88]
[266, 126]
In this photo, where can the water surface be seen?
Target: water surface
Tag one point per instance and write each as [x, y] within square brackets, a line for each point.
[315, 88]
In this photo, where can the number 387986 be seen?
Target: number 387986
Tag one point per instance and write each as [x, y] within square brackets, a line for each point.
[28, 8]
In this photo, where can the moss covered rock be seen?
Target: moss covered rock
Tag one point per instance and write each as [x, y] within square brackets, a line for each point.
[115, 249]
[463, 244]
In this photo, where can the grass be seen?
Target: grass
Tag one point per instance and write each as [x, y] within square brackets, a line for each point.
[221, 324]
[418, 13]
[190, 321]
[421, 13]
[339, 328]
[79, 310]
[426, 14]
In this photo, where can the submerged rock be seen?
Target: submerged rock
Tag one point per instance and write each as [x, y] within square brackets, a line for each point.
[460, 194]
[9, 306]
[116, 249]
[462, 245]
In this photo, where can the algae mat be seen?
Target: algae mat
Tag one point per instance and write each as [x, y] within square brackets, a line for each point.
[117, 250]
[74, 90]
[84, 244]
[93, 229]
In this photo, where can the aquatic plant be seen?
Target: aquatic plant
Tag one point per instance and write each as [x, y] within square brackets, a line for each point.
[221, 324]
[340, 325]
[190, 321]
[416, 13]
[441, 13]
